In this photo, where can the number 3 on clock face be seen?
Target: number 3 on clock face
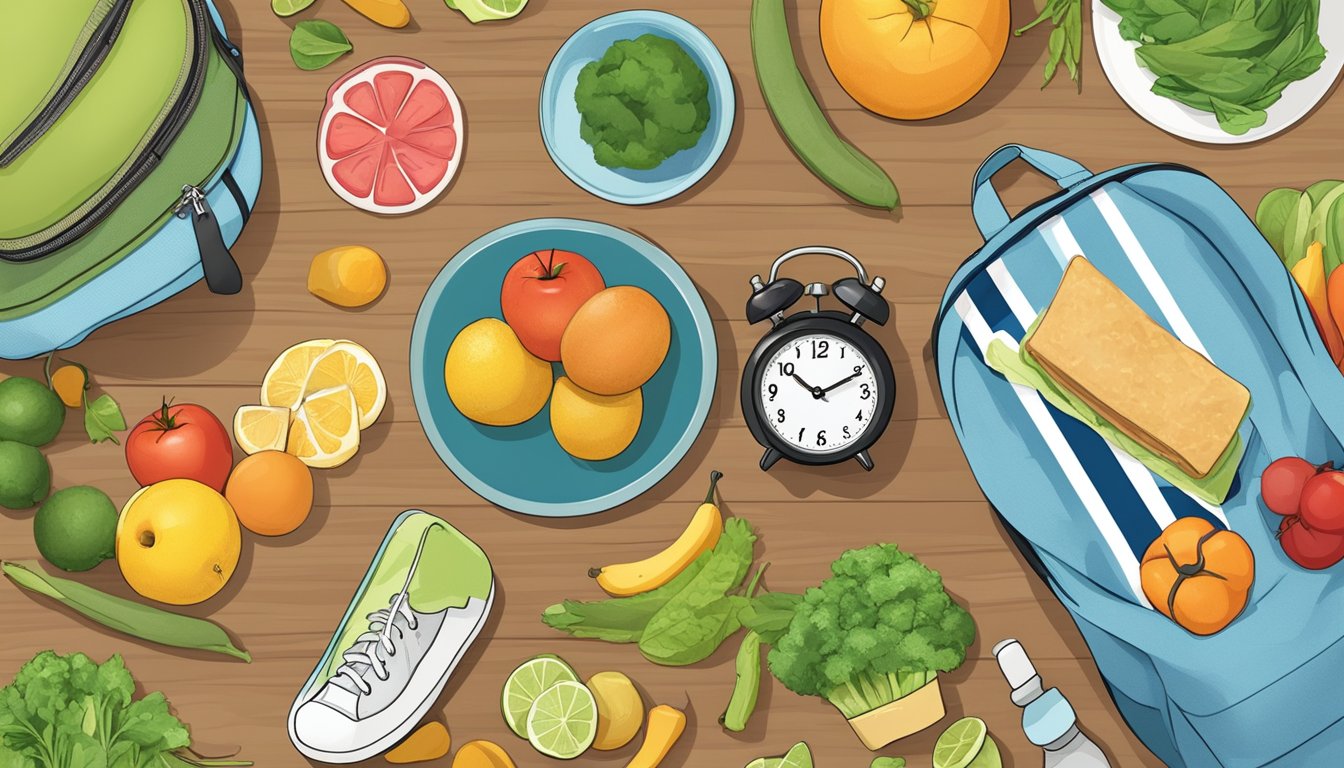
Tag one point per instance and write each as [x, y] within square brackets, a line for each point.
[818, 393]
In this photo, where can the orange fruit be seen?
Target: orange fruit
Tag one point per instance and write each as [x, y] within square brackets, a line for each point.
[901, 63]
[271, 492]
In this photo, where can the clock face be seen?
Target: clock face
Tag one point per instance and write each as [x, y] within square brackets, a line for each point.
[818, 393]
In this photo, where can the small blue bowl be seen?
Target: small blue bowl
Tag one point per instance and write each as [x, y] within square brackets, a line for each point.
[560, 116]
[523, 468]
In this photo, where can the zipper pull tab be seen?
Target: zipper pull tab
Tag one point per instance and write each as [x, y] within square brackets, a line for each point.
[221, 271]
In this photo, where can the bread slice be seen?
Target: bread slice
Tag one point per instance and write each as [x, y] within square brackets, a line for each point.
[1095, 342]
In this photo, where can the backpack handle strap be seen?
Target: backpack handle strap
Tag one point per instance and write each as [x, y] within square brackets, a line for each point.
[990, 215]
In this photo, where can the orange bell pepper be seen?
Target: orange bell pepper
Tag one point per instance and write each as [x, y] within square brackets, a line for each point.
[1309, 274]
[1197, 575]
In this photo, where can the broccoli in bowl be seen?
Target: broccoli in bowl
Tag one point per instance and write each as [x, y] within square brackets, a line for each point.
[645, 100]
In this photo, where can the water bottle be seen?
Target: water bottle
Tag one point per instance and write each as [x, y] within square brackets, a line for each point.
[1047, 717]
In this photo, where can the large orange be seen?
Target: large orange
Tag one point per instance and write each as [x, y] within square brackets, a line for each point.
[900, 63]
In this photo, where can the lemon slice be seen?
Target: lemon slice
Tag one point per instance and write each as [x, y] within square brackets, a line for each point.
[283, 385]
[261, 428]
[325, 430]
[346, 363]
[488, 10]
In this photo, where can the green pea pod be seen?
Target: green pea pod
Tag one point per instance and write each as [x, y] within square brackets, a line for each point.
[800, 119]
[126, 616]
[748, 686]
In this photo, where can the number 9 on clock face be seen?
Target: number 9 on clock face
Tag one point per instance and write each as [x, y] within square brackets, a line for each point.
[819, 393]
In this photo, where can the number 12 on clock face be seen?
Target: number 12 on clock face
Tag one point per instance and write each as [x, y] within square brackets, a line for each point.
[819, 393]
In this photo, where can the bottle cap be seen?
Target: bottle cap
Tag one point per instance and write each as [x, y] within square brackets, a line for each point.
[1014, 663]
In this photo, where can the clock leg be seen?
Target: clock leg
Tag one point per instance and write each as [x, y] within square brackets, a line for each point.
[865, 460]
[770, 457]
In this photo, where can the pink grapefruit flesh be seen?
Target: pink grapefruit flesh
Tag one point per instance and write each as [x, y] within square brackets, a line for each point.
[389, 138]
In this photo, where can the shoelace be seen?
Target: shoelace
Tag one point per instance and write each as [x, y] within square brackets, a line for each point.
[381, 643]
[370, 647]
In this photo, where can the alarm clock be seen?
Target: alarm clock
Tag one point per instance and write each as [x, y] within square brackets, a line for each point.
[817, 389]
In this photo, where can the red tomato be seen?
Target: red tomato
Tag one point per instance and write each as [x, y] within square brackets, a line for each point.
[542, 292]
[1323, 502]
[1309, 548]
[180, 441]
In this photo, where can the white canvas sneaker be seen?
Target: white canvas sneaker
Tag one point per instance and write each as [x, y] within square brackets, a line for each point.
[423, 601]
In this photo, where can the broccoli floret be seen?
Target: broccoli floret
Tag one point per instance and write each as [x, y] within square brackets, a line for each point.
[643, 101]
[878, 629]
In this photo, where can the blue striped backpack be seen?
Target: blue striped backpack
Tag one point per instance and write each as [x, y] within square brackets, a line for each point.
[1265, 691]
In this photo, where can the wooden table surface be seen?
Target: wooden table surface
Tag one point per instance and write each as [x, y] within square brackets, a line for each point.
[289, 592]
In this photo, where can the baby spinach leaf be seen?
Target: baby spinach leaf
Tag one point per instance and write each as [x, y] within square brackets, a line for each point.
[700, 617]
[316, 43]
[1272, 216]
[102, 419]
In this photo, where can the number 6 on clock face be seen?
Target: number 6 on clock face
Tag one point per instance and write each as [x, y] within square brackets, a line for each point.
[819, 393]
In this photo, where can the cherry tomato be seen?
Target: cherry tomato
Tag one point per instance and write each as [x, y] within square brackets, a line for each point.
[1323, 502]
[180, 441]
[1282, 482]
[1312, 549]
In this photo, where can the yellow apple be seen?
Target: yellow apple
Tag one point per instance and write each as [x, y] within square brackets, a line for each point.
[178, 542]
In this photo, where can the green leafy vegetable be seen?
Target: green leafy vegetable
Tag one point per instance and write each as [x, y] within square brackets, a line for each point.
[645, 100]
[697, 620]
[126, 616]
[878, 629]
[1291, 220]
[102, 418]
[769, 614]
[70, 712]
[1066, 38]
[316, 43]
[621, 619]
[1232, 58]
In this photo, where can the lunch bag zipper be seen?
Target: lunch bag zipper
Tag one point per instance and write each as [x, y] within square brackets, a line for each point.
[221, 271]
[205, 33]
[95, 51]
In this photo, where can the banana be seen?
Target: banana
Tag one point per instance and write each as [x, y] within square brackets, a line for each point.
[701, 534]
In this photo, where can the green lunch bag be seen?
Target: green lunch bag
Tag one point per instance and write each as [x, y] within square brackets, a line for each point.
[129, 162]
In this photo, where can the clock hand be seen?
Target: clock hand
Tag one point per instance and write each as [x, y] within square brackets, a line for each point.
[817, 392]
[845, 380]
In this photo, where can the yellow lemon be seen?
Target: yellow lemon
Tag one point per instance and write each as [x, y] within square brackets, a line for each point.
[492, 378]
[348, 276]
[620, 709]
[346, 363]
[261, 428]
[325, 430]
[594, 427]
[178, 542]
[284, 381]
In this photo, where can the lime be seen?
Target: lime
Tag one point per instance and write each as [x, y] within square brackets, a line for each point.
[563, 720]
[488, 10]
[529, 681]
[76, 528]
[29, 412]
[798, 756]
[284, 8]
[25, 475]
[966, 744]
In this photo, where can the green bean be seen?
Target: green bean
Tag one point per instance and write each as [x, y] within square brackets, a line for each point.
[748, 686]
[127, 616]
[801, 120]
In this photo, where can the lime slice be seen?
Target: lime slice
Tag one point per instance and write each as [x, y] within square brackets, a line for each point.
[488, 10]
[529, 681]
[961, 744]
[289, 7]
[563, 720]
[798, 756]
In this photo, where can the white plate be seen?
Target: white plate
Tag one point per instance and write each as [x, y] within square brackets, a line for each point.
[1134, 82]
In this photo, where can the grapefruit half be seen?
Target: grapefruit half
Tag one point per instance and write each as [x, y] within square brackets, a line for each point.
[390, 138]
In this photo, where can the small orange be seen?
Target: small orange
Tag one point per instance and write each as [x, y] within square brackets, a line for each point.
[271, 491]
